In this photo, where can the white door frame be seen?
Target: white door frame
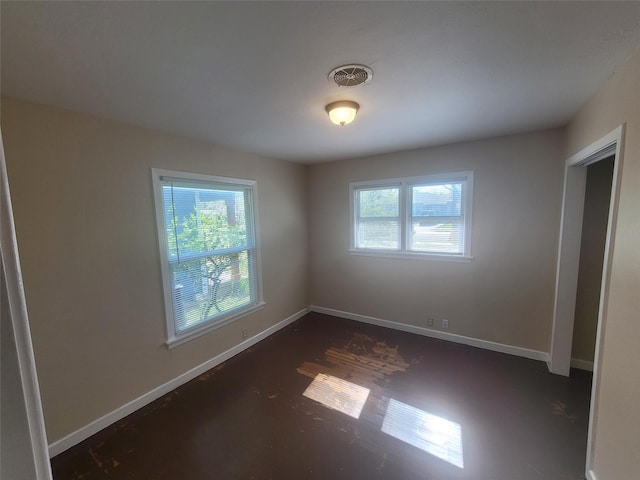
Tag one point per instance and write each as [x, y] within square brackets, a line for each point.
[39, 455]
[569, 258]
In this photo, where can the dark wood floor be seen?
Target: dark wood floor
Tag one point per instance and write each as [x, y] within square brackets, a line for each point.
[248, 418]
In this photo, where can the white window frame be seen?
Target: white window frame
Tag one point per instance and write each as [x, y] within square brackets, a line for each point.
[404, 185]
[173, 338]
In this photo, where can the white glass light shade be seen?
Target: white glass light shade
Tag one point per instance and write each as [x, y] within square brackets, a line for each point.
[342, 113]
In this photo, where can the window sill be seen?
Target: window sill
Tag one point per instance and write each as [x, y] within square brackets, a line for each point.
[175, 341]
[412, 256]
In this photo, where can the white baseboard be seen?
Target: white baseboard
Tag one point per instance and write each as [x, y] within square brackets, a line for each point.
[582, 364]
[85, 432]
[451, 337]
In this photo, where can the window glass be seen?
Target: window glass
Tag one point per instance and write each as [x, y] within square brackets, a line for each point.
[437, 223]
[436, 219]
[382, 202]
[209, 253]
[378, 218]
[379, 234]
[437, 200]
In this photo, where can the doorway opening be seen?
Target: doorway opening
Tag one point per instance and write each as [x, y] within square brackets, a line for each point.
[597, 200]
[567, 273]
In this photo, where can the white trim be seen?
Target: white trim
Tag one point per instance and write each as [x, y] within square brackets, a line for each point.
[85, 432]
[567, 269]
[21, 330]
[451, 337]
[568, 260]
[598, 150]
[174, 338]
[174, 341]
[201, 177]
[570, 239]
[404, 216]
[99, 424]
[433, 178]
[156, 175]
[604, 289]
[582, 364]
[591, 475]
[411, 256]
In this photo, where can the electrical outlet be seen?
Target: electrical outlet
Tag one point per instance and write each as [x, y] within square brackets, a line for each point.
[245, 333]
[429, 322]
[445, 323]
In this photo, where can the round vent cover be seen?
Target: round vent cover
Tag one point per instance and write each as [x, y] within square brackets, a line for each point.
[351, 75]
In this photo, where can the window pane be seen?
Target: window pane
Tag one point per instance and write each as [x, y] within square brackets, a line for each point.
[202, 220]
[210, 271]
[417, 215]
[210, 286]
[379, 234]
[382, 202]
[443, 200]
[432, 236]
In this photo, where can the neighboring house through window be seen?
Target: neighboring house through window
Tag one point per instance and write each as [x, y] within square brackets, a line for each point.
[425, 217]
[208, 249]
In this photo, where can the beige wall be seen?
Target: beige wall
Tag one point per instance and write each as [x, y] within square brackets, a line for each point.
[505, 294]
[617, 426]
[86, 230]
[83, 207]
[594, 233]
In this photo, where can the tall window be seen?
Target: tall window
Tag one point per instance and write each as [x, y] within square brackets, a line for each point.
[207, 236]
[418, 216]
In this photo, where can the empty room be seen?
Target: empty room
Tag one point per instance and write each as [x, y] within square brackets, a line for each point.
[323, 240]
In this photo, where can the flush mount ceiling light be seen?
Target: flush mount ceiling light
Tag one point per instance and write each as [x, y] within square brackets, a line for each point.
[343, 112]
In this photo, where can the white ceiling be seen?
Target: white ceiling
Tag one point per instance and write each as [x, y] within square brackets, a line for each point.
[253, 76]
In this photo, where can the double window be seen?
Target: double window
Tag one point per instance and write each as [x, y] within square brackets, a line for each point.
[420, 216]
[209, 257]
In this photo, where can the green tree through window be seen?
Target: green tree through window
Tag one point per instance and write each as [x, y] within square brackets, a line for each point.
[209, 256]
[206, 231]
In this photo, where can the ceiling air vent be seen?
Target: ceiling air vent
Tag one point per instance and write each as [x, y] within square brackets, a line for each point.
[351, 75]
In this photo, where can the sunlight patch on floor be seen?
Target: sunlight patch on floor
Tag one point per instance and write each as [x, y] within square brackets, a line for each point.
[435, 435]
[338, 394]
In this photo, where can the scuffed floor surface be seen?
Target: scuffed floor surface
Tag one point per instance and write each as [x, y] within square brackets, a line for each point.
[328, 398]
